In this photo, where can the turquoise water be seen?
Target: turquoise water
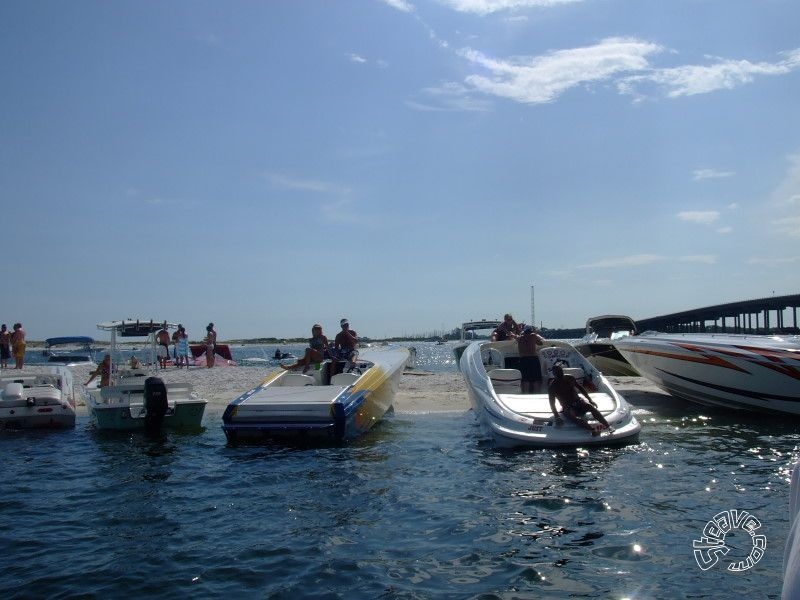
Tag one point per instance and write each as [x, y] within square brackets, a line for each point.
[420, 507]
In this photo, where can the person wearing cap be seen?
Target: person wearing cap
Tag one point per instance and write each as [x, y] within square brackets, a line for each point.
[344, 345]
[529, 365]
[316, 351]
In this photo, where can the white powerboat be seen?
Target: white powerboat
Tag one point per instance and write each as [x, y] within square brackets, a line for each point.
[745, 372]
[511, 418]
[318, 404]
[71, 350]
[135, 398]
[40, 401]
[598, 344]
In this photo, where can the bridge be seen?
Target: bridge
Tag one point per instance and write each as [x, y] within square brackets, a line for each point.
[774, 314]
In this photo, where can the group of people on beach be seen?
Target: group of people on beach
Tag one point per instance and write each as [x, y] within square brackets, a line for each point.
[564, 387]
[345, 347]
[12, 343]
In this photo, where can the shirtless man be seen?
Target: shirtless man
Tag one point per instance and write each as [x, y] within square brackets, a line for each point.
[529, 364]
[164, 340]
[565, 388]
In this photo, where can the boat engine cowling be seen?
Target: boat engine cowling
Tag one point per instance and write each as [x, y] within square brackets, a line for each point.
[155, 403]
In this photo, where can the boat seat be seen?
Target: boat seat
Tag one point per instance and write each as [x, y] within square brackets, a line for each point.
[576, 372]
[506, 381]
[297, 380]
[13, 391]
[344, 379]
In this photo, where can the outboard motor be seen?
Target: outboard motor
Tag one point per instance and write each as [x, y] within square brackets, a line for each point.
[155, 403]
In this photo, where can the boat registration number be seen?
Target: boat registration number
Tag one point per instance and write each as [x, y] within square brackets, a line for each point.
[535, 428]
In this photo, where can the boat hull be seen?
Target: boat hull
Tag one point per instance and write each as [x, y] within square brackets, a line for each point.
[606, 358]
[122, 407]
[512, 419]
[320, 410]
[739, 372]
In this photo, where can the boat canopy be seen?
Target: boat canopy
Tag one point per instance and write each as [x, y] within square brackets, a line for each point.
[135, 327]
[75, 339]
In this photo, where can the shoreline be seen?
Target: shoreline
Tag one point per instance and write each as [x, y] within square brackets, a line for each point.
[419, 392]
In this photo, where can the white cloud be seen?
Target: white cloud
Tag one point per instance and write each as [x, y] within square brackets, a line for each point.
[449, 96]
[699, 216]
[636, 260]
[711, 174]
[774, 262]
[541, 79]
[788, 226]
[401, 5]
[725, 230]
[689, 80]
[306, 185]
[356, 58]
[485, 7]
[706, 259]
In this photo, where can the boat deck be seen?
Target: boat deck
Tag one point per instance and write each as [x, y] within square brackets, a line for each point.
[537, 406]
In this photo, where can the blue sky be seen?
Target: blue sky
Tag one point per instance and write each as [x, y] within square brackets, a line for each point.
[407, 164]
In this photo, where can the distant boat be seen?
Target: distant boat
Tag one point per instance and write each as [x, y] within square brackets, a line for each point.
[743, 372]
[598, 344]
[469, 334]
[71, 350]
[318, 404]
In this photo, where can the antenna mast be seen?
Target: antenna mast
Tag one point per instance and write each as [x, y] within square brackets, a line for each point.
[533, 310]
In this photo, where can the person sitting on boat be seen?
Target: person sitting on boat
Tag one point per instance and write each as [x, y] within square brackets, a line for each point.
[316, 351]
[104, 370]
[529, 364]
[509, 329]
[565, 388]
[135, 363]
[345, 344]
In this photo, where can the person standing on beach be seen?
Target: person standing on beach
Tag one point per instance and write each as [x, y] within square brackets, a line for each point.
[344, 344]
[507, 330]
[182, 348]
[211, 343]
[5, 346]
[18, 345]
[529, 365]
[565, 388]
[316, 351]
[163, 345]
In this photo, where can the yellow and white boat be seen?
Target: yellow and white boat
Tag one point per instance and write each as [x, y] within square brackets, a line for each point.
[318, 404]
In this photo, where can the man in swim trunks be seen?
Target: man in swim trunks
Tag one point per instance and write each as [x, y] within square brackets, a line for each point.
[164, 340]
[565, 388]
[529, 364]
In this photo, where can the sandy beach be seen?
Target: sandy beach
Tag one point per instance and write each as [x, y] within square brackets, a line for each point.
[420, 391]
